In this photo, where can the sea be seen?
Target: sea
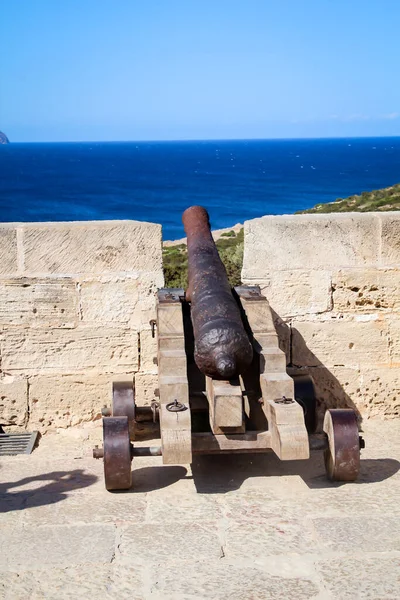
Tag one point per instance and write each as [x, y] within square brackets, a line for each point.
[156, 181]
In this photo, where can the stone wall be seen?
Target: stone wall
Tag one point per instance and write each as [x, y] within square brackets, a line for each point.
[333, 281]
[75, 304]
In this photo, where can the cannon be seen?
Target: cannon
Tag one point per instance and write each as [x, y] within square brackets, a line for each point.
[223, 382]
[222, 349]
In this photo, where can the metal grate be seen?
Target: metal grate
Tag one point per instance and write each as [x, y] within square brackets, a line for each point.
[17, 443]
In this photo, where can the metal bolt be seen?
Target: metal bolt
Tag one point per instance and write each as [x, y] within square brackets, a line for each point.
[98, 452]
[176, 406]
[284, 400]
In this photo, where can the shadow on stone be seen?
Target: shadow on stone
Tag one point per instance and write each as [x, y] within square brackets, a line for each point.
[59, 484]
[147, 479]
[329, 391]
[225, 473]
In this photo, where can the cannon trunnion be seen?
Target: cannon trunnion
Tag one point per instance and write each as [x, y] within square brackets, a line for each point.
[263, 409]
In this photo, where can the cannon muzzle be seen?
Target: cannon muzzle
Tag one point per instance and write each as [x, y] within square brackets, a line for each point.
[222, 348]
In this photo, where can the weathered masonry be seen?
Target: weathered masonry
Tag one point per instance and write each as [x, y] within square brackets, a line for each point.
[76, 300]
[333, 281]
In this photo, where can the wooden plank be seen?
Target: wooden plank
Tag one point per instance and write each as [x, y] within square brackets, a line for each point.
[176, 436]
[276, 385]
[289, 438]
[173, 388]
[172, 375]
[172, 361]
[251, 441]
[272, 360]
[169, 319]
[226, 406]
[259, 316]
[176, 429]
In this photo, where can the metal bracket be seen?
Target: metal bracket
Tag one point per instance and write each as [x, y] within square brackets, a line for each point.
[166, 295]
[153, 325]
[284, 400]
[176, 406]
[155, 406]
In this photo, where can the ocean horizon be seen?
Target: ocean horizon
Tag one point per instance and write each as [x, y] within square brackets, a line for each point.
[155, 181]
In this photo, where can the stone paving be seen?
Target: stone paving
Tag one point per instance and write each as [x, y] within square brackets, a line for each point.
[230, 527]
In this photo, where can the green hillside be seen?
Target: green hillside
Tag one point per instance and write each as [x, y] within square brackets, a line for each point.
[378, 200]
[230, 248]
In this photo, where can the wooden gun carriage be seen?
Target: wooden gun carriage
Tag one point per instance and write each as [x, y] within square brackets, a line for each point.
[263, 407]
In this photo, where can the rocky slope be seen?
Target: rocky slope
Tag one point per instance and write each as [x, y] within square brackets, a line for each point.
[377, 200]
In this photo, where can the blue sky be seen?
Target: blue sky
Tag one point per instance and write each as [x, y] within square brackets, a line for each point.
[198, 69]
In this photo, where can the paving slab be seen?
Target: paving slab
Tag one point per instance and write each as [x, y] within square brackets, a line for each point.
[246, 527]
[226, 581]
[29, 548]
[367, 578]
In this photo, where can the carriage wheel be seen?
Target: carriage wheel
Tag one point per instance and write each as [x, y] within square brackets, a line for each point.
[123, 403]
[117, 453]
[342, 457]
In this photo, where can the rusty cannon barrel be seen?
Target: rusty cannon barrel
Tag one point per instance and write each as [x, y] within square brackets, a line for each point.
[222, 348]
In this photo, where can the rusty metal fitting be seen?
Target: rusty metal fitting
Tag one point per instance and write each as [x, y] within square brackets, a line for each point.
[176, 406]
[98, 452]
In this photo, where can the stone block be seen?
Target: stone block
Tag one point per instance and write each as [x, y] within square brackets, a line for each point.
[182, 541]
[28, 549]
[338, 387]
[35, 351]
[390, 239]
[149, 282]
[394, 339]
[352, 533]
[280, 536]
[60, 401]
[13, 400]
[224, 581]
[78, 583]
[8, 250]
[182, 507]
[116, 299]
[100, 509]
[322, 241]
[109, 302]
[83, 581]
[38, 302]
[148, 311]
[92, 247]
[381, 392]
[360, 290]
[300, 292]
[380, 577]
[145, 386]
[336, 342]
[148, 351]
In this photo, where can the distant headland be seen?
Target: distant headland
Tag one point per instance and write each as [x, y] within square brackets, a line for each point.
[3, 138]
